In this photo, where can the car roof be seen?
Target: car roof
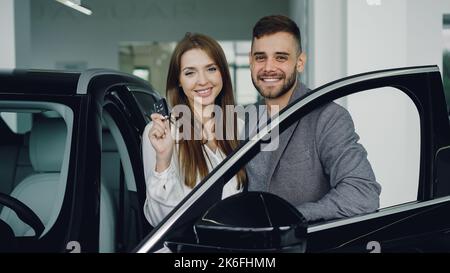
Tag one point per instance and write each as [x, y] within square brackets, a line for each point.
[37, 82]
[19, 81]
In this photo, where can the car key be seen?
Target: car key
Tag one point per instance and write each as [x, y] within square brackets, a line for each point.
[162, 108]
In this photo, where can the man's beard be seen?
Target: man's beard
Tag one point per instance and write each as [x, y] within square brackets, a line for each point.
[278, 93]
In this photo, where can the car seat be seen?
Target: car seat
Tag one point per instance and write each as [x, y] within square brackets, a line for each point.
[39, 190]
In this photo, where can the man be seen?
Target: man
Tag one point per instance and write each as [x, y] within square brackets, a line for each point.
[319, 166]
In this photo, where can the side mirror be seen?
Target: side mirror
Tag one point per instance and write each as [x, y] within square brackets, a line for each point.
[248, 222]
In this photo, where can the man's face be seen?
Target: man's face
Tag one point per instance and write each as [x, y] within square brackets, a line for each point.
[274, 63]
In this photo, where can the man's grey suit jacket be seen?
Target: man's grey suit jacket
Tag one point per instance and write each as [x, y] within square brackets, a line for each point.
[319, 166]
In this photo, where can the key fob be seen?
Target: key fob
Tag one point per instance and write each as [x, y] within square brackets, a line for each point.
[162, 108]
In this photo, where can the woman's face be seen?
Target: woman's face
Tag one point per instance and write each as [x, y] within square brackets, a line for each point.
[200, 78]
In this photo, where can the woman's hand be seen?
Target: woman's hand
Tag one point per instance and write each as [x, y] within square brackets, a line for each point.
[208, 132]
[162, 141]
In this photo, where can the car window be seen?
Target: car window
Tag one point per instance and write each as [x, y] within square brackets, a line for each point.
[120, 211]
[388, 124]
[19, 123]
[35, 161]
[145, 102]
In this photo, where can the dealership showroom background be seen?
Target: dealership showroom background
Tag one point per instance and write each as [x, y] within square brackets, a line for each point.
[340, 37]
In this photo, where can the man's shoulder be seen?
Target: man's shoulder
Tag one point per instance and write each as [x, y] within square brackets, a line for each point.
[330, 109]
[324, 116]
[302, 90]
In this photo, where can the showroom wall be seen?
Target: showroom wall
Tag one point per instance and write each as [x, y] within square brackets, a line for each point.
[61, 36]
[376, 35]
[15, 34]
[351, 36]
[424, 31]
[7, 46]
[328, 42]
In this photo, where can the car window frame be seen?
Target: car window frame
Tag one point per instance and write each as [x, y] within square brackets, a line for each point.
[122, 108]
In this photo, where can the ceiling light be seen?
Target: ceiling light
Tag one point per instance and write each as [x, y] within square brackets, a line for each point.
[76, 4]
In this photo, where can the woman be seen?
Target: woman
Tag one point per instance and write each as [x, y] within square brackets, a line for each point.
[199, 79]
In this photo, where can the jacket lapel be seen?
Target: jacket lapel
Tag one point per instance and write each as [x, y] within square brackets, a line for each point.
[285, 137]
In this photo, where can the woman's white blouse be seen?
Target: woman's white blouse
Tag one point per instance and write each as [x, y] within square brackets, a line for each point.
[166, 189]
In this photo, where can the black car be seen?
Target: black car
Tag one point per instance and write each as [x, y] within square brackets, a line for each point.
[70, 160]
[71, 168]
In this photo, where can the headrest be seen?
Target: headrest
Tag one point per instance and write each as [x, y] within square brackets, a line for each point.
[47, 144]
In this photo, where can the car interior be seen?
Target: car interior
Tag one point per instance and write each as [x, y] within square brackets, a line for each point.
[34, 153]
[37, 176]
[34, 177]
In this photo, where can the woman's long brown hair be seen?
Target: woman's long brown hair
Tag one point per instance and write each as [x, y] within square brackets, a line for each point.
[190, 157]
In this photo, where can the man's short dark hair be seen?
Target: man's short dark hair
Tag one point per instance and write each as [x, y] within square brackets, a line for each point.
[277, 23]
